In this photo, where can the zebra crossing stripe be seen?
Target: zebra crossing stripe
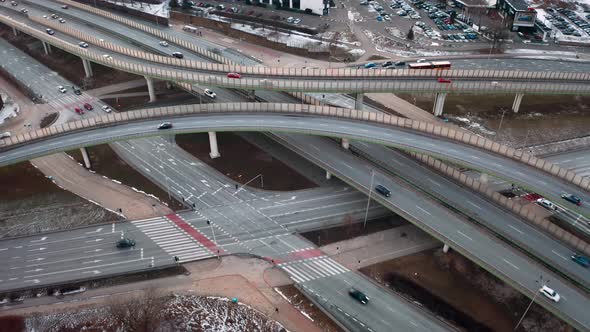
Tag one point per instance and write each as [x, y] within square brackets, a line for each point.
[336, 265]
[295, 275]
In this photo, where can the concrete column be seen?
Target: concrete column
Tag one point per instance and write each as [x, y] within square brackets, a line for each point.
[86, 158]
[49, 47]
[252, 95]
[483, 178]
[87, 67]
[213, 145]
[345, 143]
[328, 175]
[439, 103]
[150, 84]
[15, 31]
[358, 102]
[45, 47]
[517, 101]
[446, 248]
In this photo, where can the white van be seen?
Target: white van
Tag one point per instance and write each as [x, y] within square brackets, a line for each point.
[190, 29]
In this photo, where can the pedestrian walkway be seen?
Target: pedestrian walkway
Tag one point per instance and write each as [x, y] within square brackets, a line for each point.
[312, 268]
[173, 239]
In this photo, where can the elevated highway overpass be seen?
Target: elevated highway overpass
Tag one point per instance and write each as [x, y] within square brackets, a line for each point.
[516, 269]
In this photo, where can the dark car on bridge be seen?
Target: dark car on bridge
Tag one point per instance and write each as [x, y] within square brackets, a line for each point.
[582, 260]
[358, 295]
[165, 125]
[382, 190]
[125, 243]
[572, 198]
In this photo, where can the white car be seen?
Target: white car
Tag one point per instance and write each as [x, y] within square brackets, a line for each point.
[107, 57]
[61, 20]
[550, 294]
[297, 21]
[5, 135]
[210, 93]
[164, 43]
[61, 89]
[83, 44]
[106, 109]
[420, 60]
[546, 204]
[290, 19]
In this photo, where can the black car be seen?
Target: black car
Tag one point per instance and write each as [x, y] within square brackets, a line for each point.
[387, 64]
[400, 63]
[165, 125]
[572, 198]
[125, 243]
[382, 190]
[358, 295]
[76, 90]
[178, 55]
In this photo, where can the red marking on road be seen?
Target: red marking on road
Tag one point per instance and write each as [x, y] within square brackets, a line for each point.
[305, 254]
[195, 234]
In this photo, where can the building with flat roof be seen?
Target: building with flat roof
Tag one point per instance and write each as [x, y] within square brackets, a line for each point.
[517, 14]
[319, 7]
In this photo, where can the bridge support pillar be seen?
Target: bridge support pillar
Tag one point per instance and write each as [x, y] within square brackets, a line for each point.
[517, 101]
[483, 178]
[15, 31]
[213, 145]
[439, 103]
[46, 48]
[328, 175]
[252, 95]
[150, 84]
[87, 67]
[345, 143]
[358, 102]
[446, 248]
[86, 158]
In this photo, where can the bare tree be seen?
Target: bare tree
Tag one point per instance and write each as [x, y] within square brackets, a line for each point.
[410, 35]
[498, 34]
[142, 314]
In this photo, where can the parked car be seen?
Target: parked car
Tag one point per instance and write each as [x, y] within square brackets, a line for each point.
[233, 75]
[83, 44]
[79, 110]
[443, 80]
[165, 125]
[550, 293]
[290, 19]
[210, 93]
[88, 106]
[297, 21]
[546, 204]
[582, 260]
[106, 109]
[572, 198]
[61, 89]
[358, 295]
[50, 31]
[382, 190]
[125, 243]
[164, 43]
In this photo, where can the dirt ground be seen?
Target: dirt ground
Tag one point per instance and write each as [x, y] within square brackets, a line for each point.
[242, 161]
[461, 292]
[299, 301]
[68, 65]
[30, 203]
[352, 229]
[106, 162]
[164, 95]
[541, 119]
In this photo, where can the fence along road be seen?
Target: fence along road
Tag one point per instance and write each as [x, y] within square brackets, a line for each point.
[316, 80]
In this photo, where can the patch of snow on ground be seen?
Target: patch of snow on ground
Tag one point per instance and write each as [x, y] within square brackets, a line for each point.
[160, 10]
[289, 300]
[471, 124]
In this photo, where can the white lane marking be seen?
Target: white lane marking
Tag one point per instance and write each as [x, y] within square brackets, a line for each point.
[475, 157]
[516, 229]
[421, 209]
[477, 206]
[431, 180]
[41, 239]
[463, 234]
[347, 165]
[509, 263]
[553, 251]
[315, 147]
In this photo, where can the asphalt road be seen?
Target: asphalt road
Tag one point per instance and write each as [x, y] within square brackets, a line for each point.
[577, 161]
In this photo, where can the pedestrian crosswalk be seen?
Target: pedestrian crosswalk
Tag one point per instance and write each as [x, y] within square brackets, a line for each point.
[311, 269]
[172, 239]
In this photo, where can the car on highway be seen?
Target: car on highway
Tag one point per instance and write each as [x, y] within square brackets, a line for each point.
[164, 43]
[83, 44]
[79, 110]
[550, 293]
[5, 134]
[24, 10]
[50, 31]
[61, 20]
[210, 93]
[165, 125]
[125, 243]
[233, 75]
[88, 106]
[582, 260]
[178, 55]
[421, 60]
[400, 63]
[370, 65]
[106, 109]
[382, 190]
[358, 295]
[14, 3]
[107, 57]
[61, 89]
[76, 90]
[444, 80]
[572, 199]
[54, 16]
[546, 204]
[387, 64]
[65, 7]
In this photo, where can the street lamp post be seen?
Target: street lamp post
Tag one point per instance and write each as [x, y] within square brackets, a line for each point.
[532, 300]
[502, 119]
[369, 200]
[254, 178]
